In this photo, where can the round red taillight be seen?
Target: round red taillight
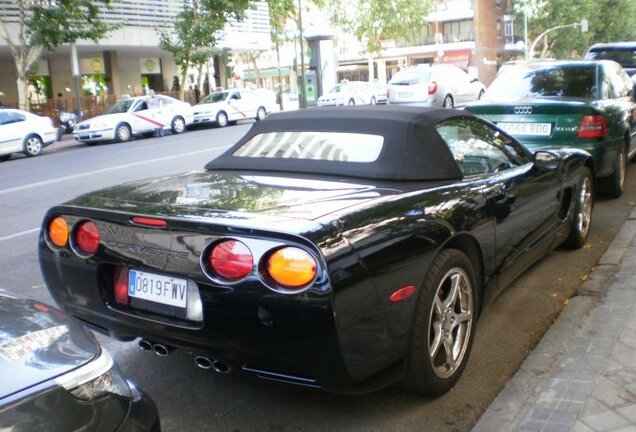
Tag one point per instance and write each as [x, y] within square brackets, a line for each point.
[231, 260]
[87, 237]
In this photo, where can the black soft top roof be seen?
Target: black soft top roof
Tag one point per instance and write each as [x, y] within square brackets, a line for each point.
[412, 150]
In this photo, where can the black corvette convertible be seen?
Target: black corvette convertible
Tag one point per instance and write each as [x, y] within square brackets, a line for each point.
[344, 249]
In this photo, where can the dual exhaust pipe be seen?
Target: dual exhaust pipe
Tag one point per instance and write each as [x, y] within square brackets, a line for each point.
[201, 361]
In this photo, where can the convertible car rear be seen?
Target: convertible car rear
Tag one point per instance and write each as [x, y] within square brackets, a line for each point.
[344, 249]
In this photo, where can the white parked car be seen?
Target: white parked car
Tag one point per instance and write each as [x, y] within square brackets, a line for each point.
[349, 93]
[228, 106]
[135, 116]
[23, 132]
[439, 86]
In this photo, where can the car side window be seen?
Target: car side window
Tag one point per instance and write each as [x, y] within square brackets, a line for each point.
[616, 82]
[11, 117]
[164, 102]
[479, 148]
[236, 96]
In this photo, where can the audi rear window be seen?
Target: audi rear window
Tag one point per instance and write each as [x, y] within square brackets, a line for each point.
[326, 146]
[557, 81]
[626, 57]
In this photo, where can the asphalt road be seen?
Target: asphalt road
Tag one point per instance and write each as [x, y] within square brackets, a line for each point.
[189, 398]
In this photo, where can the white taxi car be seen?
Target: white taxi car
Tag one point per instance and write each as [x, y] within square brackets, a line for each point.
[23, 132]
[135, 116]
[349, 93]
[228, 106]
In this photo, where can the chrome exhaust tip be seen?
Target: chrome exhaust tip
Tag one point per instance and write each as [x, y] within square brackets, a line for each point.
[144, 345]
[221, 368]
[203, 362]
[161, 350]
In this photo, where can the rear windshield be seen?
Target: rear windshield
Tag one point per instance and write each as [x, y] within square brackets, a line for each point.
[560, 81]
[411, 77]
[626, 57]
[328, 146]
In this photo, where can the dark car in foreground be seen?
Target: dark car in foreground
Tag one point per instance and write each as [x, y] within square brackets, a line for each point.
[589, 105]
[55, 376]
[344, 249]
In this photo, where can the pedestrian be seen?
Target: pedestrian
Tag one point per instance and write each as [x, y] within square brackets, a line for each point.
[153, 102]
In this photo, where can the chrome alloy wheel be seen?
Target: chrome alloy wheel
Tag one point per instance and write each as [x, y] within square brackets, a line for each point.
[33, 146]
[584, 216]
[178, 125]
[123, 133]
[451, 322]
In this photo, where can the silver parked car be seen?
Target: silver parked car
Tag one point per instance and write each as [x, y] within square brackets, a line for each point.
[440, 86]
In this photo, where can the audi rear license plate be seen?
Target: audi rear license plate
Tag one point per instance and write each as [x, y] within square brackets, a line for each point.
[537, 129]
[157, 288]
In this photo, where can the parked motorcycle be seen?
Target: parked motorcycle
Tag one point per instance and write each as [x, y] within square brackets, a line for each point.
[68, 119]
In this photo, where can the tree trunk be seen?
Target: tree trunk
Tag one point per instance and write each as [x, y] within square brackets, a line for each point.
[184, 76]
[23, 93]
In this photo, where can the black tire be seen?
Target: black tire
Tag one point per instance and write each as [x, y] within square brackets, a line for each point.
[614, 184]
[123, 133]
[221, 119]
[581, 214]
[351, 102]
[451, 280]
[5, 157]
[261, 113]
[448, 102]
[33, 146]
[178, 125]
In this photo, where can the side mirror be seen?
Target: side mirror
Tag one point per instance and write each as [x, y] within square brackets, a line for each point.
[546, 160]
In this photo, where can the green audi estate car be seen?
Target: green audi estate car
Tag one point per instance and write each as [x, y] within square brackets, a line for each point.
[589, 105]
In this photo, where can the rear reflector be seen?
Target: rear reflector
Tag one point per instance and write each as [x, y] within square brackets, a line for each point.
[87, 237]
[155, 223]
[593, 127]
[231, 260]
[58, 231]
[120, 285]
[402, 294]
[432, 87]
[291, 267]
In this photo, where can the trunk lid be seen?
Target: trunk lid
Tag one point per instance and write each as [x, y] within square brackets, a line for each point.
[538, 121]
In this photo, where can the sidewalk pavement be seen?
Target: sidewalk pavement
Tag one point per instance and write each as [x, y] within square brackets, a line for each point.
[581, 377]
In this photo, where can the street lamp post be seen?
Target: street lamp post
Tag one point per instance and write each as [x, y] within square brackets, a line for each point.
[582, 24]
[303, 99]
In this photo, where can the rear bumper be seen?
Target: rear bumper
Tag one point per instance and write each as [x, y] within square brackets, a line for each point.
[142, 414]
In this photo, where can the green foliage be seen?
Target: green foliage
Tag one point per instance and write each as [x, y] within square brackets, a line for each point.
[55, 23]
[373, 21]
[193, 36]
[608, 20]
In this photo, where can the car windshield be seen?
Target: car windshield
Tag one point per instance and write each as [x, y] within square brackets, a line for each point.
[568, 81]
[339, 88]
[328, 146]
[214, 97]
[623, 56]
[411, 77]
[121, 106]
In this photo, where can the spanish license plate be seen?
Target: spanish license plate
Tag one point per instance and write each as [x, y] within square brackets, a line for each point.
[537, 129]
[158, 288]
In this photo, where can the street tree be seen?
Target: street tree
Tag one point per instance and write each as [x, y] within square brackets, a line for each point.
[194, 32]
[43, 25]
[375, 21]
[608, 20]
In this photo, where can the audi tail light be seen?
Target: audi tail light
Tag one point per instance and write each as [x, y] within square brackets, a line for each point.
[432, 87]
[592, 126]
[231, 260]
[291, 268]
[58, 231]
[87, 237]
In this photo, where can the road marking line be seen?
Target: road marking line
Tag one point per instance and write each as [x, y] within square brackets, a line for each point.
[31, 231]
[103, 170]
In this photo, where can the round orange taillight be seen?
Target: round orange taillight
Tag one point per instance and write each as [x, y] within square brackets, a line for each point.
[87, 237]
[231, 259]
[58, 231]
[291, 267]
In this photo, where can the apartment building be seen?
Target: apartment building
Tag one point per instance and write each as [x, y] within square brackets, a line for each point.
[128, 60]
